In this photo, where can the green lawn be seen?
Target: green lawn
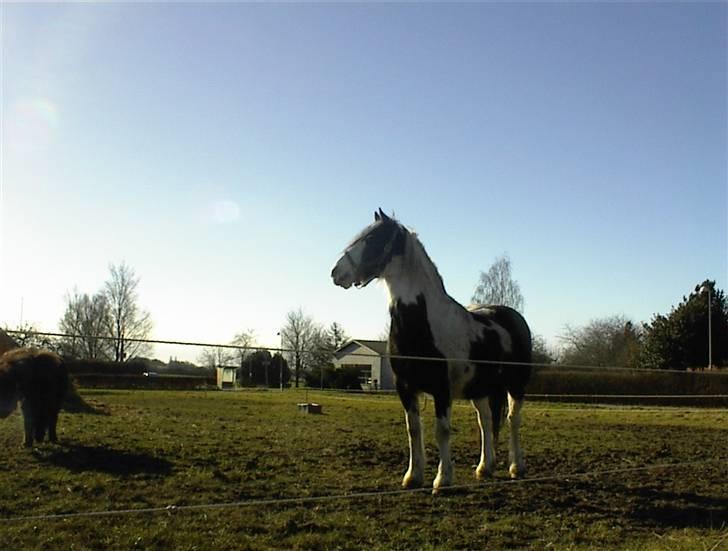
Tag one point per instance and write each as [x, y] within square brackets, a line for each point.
[145, 449]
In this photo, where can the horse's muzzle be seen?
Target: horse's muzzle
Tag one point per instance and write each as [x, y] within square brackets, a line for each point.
[341, 277]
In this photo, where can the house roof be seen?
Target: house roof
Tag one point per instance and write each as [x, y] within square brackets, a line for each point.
[378, 347]
[6, 342]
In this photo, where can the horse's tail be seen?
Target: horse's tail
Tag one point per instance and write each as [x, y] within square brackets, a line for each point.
[497, 400]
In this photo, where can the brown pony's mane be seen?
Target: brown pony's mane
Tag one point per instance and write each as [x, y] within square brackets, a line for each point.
[22, 353]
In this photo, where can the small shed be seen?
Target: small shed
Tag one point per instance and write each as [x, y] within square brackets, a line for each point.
[226, 377]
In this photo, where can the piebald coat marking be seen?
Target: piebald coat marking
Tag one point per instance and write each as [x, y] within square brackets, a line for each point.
[427, 322]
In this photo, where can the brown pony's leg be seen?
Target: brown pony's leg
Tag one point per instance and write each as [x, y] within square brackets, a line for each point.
[40, 418]
[52, 422]
[40, 428]
[28, 425]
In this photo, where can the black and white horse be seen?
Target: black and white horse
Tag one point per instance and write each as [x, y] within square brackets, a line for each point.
[426, 322]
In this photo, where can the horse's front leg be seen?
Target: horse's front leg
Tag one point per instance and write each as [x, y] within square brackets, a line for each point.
[52, 424]
[28, 424]
[414, 477]
[443, 409]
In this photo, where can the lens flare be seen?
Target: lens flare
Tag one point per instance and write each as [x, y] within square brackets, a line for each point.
[37, 112]
[224, 212]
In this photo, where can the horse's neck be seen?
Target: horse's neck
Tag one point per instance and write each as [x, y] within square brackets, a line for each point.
[413, 275]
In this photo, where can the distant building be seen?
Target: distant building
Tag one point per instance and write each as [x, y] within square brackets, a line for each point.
[376, 371]
[226, 377]
[6, 342]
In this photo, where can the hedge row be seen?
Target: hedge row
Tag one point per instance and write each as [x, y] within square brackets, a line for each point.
[617, 386]
[563, 384]
[134, 381]
[133, 375]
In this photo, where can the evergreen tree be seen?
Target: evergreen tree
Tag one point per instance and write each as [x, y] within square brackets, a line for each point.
[679, 340]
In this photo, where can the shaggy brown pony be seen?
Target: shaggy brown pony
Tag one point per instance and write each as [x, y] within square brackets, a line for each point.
[39, 380]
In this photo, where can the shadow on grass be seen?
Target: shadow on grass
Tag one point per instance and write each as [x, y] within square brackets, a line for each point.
[82, 458]
[679, 509]
[647, 506]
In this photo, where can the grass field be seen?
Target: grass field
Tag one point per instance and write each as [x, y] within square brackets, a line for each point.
[145, 449]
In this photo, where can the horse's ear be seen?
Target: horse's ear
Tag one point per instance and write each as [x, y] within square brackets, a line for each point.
[382, 216]
[376, 216]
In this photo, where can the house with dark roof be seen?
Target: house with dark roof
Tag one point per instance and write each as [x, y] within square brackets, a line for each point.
[368, 357]
[6, 342]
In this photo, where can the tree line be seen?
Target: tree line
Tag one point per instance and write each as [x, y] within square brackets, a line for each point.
[104, 326]
[109, 325]
[307, 349]
[676, 340]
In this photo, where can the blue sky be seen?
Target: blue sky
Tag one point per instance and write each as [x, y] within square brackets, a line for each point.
[227, 152]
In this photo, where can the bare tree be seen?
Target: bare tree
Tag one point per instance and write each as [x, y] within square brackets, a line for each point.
[26, 335]
[336, 336]
[542, 352]
[610, 341]
[244, 340]
[127, 320]
[496, 286]
[298, 333]
[87, 320]
[319, 348]
[216, 356]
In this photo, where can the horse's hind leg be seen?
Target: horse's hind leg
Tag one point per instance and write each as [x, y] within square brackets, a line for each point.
[486, 466]
[443, 408]
[40, 423]
[515, 456]
[40, 431]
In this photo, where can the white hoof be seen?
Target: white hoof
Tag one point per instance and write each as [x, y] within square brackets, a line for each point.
[484, 471]
[411, 480]
[517, 471]
[441, 482]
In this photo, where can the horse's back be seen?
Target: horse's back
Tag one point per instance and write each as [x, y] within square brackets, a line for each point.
[512, 321]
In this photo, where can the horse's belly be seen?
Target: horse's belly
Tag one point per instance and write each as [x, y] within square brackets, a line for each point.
[459, 375]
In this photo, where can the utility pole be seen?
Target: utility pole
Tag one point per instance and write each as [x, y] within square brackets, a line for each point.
[706, 289]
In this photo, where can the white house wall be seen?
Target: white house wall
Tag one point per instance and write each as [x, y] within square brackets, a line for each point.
[363, 356]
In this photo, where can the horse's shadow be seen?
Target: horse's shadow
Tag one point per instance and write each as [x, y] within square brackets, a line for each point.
[82, 458]
[678, 509]
[648, 506]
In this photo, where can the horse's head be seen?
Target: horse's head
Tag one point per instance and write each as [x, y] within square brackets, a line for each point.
[370, 252]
